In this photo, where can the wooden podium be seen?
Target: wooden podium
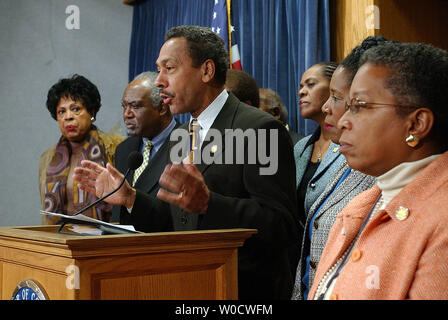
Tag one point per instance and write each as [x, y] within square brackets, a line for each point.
[166, 265]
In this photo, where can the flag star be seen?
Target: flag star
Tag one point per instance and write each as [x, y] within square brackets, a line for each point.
[218, 30]
[214, 15]
[232, 28]
[213, 29]
[216, 2]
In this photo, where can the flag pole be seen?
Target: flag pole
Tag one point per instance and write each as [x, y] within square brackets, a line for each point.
[229, 30]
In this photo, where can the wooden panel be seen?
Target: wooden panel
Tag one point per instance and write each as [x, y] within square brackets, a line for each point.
[196, 284]
[39, 260]
[414, 21]
[348, 26]
[201, 274]
[351, 21]
[171, 265]
[54, 284]
[1, 280]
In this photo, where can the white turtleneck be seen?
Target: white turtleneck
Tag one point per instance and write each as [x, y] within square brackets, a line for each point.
[390, 183]
[394, 180]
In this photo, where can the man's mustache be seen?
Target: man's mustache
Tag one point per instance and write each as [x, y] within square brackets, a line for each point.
[163, 92]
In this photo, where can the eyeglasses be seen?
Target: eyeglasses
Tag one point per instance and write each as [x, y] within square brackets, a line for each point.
[355, 105]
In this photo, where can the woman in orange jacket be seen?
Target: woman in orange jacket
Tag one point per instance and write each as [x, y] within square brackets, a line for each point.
[391, 241]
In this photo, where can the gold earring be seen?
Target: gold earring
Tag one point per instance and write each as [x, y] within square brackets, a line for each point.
[412, 141]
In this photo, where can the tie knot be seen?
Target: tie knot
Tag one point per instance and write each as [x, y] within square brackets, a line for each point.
[194, 125]
[148, 145]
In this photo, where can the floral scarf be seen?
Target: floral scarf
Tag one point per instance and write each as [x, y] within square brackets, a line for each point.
[57, 174]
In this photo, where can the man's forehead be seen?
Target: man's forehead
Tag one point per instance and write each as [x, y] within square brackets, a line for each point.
[137, 90]
[173, 50]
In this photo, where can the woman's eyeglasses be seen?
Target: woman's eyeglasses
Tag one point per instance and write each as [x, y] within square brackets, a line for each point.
[355, 105]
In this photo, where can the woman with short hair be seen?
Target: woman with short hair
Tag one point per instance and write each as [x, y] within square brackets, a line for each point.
[391, 241]
[344, 185]
[74, 103]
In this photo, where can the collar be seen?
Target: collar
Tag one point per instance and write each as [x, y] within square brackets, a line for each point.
[161, 137]
[393, 181]
[208, 116]
[314, 137]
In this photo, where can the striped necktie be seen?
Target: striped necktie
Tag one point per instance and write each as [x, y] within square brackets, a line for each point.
[146, 153]
[194, 139]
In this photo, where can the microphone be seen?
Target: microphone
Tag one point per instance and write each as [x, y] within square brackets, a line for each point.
[135, 160]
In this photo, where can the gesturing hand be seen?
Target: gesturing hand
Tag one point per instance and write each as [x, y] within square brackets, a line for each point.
[99, 181]
[184, 186]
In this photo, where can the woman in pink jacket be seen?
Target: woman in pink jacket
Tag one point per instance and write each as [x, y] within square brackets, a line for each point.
[391, 241]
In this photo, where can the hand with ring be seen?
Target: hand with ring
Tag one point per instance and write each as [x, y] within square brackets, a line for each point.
[184, 186]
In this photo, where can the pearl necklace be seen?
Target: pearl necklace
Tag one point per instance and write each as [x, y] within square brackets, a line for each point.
[322, 287]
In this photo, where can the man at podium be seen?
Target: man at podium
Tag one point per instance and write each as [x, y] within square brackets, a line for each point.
[195, 195]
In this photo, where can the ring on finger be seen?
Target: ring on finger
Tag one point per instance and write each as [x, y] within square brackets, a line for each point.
[183, 193]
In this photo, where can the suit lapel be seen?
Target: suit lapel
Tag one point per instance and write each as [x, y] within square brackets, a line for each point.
[302, 161]
[223, 121]
[330, 157]
[133, 144]
[340, 195]
[149, 177]
[352, 181]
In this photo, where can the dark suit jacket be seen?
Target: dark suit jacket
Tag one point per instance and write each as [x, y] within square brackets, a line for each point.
[149, 179]
[295, 137]
[242, 198]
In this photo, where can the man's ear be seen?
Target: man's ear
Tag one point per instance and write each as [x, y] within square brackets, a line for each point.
[208, 70]
[276, 112]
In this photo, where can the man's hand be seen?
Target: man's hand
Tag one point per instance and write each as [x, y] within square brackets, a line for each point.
[184, 186]
[99, 181]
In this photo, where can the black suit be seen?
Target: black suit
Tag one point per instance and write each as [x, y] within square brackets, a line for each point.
[295, 137]
[241, 198]
[149, 179]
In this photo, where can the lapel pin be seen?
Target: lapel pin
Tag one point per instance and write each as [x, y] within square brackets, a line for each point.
[335, 149]
[402, 213]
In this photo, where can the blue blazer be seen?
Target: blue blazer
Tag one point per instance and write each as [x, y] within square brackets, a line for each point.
[327, 168]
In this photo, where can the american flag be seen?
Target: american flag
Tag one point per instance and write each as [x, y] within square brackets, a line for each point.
[220, 25]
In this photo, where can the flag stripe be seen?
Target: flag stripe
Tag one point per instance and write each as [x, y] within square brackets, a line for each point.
[221, 25]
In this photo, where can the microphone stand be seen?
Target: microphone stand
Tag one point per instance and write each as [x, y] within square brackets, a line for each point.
[95, 202]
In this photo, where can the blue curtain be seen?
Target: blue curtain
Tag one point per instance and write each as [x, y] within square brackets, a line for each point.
[277, 39]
